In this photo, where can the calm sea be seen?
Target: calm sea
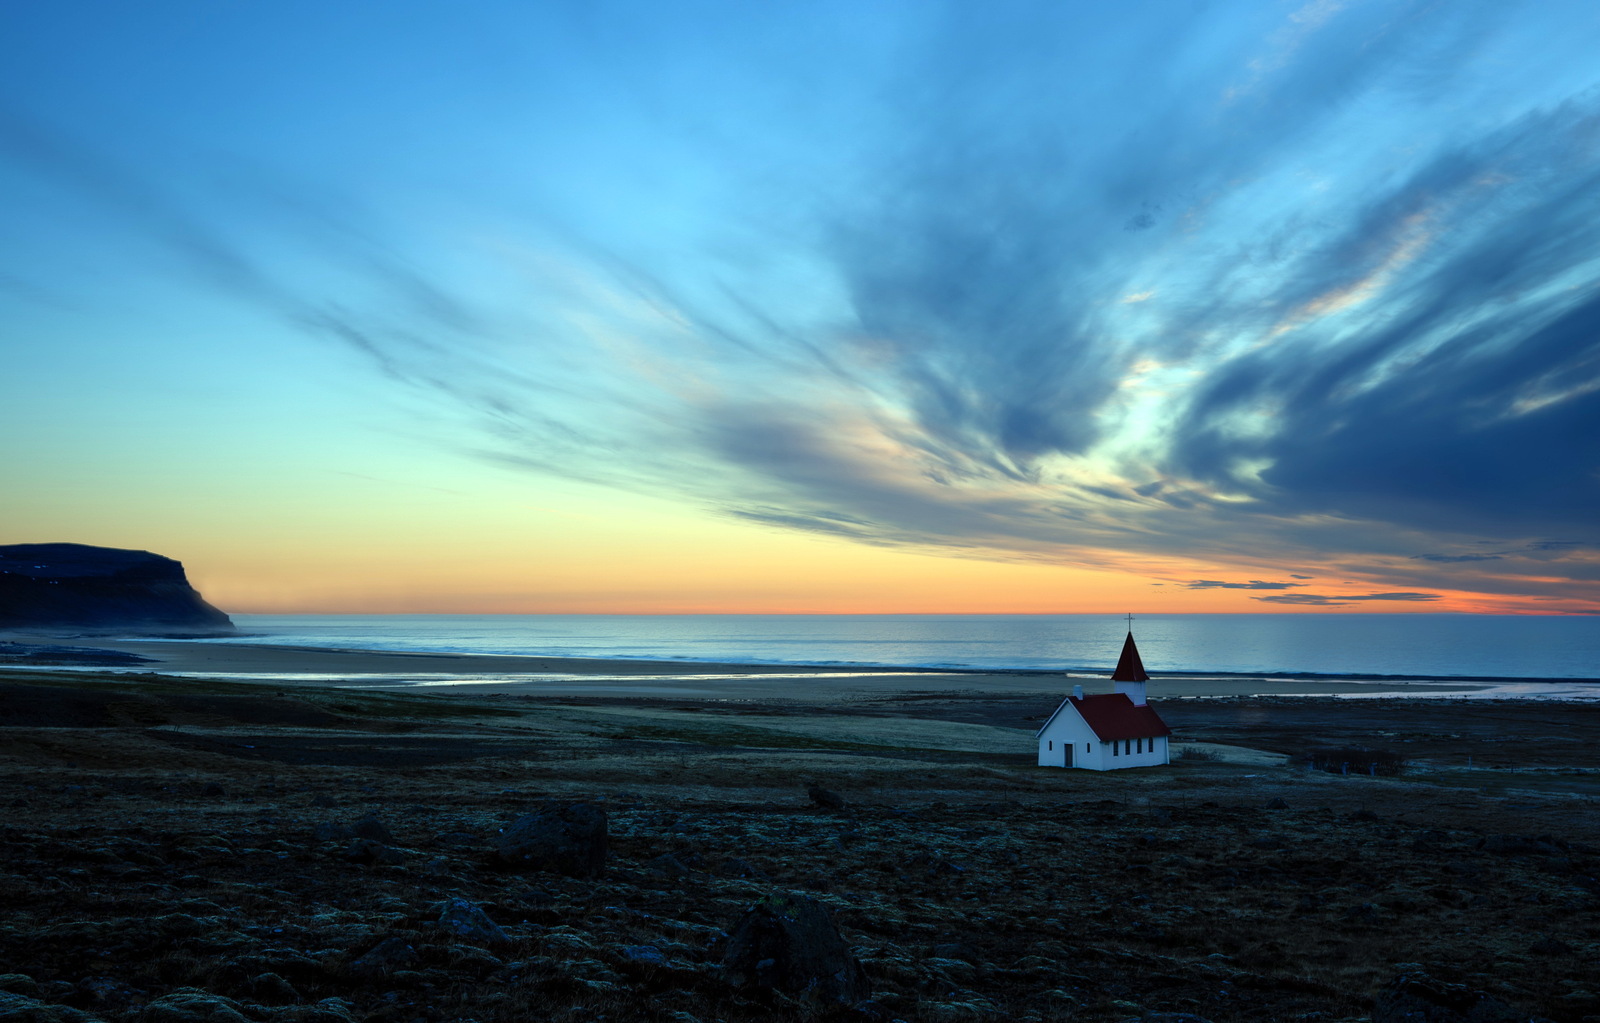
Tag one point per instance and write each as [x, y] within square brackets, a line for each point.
[1403, 645]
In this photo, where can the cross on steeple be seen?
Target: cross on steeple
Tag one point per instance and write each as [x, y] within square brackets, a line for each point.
[1129, 667]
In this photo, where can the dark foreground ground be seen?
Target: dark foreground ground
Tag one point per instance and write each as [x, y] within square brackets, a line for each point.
[160, 861]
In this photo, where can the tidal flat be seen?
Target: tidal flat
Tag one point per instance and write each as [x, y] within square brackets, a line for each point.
[182, 850]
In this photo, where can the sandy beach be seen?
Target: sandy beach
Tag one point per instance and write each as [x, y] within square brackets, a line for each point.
[574, 676]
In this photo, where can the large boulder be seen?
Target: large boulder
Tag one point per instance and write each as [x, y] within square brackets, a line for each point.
[70, 585]
[464, 920]
[1416, 997]
[384, 958]
[789, 943]
[565, 838]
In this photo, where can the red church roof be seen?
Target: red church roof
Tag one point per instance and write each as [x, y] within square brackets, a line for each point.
[1113, 716]
[1129, 667]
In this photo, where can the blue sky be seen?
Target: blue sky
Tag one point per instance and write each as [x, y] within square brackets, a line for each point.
[1303, 291]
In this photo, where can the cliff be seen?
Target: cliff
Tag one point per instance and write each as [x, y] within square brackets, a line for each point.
[70, 585]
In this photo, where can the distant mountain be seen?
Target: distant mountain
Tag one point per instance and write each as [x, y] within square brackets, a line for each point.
[72, 585]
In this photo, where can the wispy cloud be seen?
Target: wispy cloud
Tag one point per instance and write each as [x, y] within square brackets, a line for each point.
[1248, 320]
[1321, 600]
[1254, 584]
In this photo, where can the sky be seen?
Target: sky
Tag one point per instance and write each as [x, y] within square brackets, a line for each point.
[864, 306]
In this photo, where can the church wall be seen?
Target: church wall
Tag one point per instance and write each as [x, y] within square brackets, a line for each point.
[1067, 727]
[1089, 753]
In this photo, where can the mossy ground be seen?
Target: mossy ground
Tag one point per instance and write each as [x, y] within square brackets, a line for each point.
[972, 884]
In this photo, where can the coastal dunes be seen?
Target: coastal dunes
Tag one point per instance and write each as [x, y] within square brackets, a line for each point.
[294, 850]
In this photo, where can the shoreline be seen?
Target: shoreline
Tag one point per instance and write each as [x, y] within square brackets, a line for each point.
[486, 673]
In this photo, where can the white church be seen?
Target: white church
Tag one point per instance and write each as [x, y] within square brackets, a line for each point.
[1107, 731]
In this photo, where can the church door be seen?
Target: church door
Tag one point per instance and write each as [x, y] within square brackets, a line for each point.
[1066, 753]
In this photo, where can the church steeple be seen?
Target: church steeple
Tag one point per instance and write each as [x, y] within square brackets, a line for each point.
[1129, 667]
[1130, 675]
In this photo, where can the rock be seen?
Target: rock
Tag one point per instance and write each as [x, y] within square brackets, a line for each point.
[107, 992]
[371, 827]
[535, 898]
[789, 943]
[384, 958]
[1366, 816]
[1276, 804]
[19, 984]
[668, 864]
[75, 585]
[1548, 946]
[743, 868]
[328, 831]
[1415, 997]
[213, 789]
[273, 989]
[1430, 842]
[365, 850]
[465, 920]
[644, 955]
[1517, 845]
[824, 798]
[323, 801]
[191, 1005]
[567, 838]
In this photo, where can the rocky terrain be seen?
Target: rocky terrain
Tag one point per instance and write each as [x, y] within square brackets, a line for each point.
[75, 586]
[177, 851]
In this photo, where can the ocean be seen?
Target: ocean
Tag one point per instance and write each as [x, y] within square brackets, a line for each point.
[1408, 645]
